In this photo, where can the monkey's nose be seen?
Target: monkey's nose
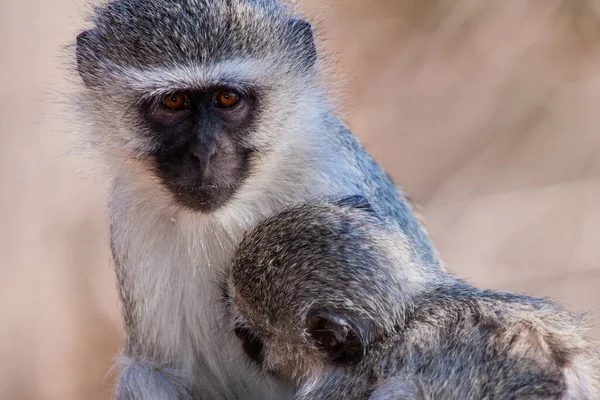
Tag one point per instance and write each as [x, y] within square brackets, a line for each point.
[203, 153]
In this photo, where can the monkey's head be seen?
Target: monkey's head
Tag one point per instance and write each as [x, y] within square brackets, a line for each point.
[311, 289]
[195, 92]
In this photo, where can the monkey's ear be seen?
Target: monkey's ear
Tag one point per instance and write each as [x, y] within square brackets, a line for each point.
[338, 339]
[358, 201]
[85, 55]
[303, 31]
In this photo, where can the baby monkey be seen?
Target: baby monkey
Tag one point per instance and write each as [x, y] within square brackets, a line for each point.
[328, 297]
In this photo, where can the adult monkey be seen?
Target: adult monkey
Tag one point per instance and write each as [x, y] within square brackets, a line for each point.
[212, 117]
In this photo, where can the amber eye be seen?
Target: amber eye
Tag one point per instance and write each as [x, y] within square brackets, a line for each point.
[175, 102]
[227, 99]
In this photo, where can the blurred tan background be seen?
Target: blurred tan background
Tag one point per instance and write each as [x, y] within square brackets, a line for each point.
[485, 110]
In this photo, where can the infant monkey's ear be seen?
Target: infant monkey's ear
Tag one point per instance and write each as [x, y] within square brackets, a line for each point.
[359, 202]
[336, 336]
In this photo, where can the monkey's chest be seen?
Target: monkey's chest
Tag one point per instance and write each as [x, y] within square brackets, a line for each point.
[171, 284]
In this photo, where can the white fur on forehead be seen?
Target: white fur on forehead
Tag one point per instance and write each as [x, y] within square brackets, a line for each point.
[156, 81]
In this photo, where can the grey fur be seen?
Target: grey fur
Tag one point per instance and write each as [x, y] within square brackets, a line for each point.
[146, 381]
[167, 256]
[423, 334]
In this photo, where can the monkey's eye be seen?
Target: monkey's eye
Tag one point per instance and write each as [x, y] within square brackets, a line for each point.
[227, 99]
[175, 102]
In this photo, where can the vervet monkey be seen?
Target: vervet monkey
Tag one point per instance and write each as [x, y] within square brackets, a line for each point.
[212, 116]
[333, 300]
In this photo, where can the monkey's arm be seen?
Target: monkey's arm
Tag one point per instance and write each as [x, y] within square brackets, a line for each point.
[143, 381]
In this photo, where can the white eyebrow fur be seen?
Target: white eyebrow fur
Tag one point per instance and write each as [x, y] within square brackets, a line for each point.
[156, 81]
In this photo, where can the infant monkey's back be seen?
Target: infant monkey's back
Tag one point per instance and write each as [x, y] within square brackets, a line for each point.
[329, 297]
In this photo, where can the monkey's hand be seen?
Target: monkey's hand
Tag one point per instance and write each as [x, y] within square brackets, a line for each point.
[143, 381]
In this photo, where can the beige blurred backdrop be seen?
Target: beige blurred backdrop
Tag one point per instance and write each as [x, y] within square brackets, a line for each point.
[485, 110]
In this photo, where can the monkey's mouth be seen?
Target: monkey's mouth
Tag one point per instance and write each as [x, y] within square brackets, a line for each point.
[202, 197]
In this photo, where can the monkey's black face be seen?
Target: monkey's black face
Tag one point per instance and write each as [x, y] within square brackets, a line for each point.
[201, 138]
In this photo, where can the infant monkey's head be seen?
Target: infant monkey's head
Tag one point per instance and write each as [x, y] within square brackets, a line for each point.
[313, 287]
